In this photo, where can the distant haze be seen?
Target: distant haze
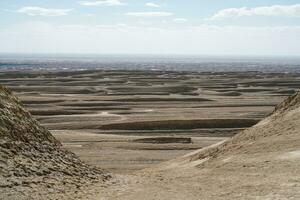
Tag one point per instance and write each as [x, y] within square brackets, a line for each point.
[234, 27]
[286, 64]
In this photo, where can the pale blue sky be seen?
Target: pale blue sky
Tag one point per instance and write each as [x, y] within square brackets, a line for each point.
[235, 27]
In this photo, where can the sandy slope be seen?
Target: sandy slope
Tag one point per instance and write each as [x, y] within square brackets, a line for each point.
[259, 163]
[33, 164]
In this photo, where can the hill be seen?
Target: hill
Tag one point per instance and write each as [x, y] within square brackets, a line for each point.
[33, 165]
[261, 162]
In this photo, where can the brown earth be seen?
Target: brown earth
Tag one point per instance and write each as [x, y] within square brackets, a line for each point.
[261, 162]
[98, 113]
[33, 164]
[127, 121]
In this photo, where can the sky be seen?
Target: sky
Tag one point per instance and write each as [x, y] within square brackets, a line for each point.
[191, 27]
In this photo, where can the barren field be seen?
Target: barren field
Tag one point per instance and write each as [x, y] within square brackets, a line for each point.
[129, 120]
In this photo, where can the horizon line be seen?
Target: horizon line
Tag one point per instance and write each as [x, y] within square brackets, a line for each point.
[145, 54]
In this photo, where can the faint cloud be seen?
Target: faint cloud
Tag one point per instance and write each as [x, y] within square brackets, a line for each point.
[275, 10]
[89, 15]
[38, 11]
[149, 14]
[153, 5]
[102, 3]
[46, 37]
[180, 20]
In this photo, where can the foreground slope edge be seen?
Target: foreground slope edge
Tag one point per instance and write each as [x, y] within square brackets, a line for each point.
[33, 164]
[261, 162]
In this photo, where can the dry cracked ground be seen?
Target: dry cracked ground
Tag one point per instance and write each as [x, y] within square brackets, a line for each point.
[131, 122]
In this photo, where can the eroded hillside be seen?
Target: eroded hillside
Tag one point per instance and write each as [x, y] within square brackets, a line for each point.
[32, 162]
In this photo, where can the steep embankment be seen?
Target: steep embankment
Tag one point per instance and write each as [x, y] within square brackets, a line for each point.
[32, 163]
[261, 162]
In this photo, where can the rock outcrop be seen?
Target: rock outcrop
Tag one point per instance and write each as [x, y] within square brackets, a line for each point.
[290, 103]
[33, 165]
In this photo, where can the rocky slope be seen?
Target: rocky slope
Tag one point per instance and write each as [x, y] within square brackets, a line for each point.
[33, 164]
[261, 162]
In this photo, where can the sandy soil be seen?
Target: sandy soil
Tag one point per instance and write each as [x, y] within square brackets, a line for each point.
[261, 162]
[104, 116]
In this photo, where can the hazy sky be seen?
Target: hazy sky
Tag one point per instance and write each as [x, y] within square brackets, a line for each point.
[205, 27]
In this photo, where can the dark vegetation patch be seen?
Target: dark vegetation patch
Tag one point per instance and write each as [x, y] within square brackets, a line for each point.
[166, 89]
[99, 108]
[161, 99]
[40, 101]
[161, 147]
[164, 140]
[181, 124]
[237, 105]
[55, 89]
[93, 103]
[136, 93]
[233, 93]
[55, 112]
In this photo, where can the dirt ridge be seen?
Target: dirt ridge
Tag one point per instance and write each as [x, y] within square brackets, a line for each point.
[33, 164]
[259, 163]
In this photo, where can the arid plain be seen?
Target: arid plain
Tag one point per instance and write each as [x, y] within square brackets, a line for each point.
[124, 121]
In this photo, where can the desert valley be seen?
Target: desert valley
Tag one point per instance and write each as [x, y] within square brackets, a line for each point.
[123, 121]
[152, 134]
